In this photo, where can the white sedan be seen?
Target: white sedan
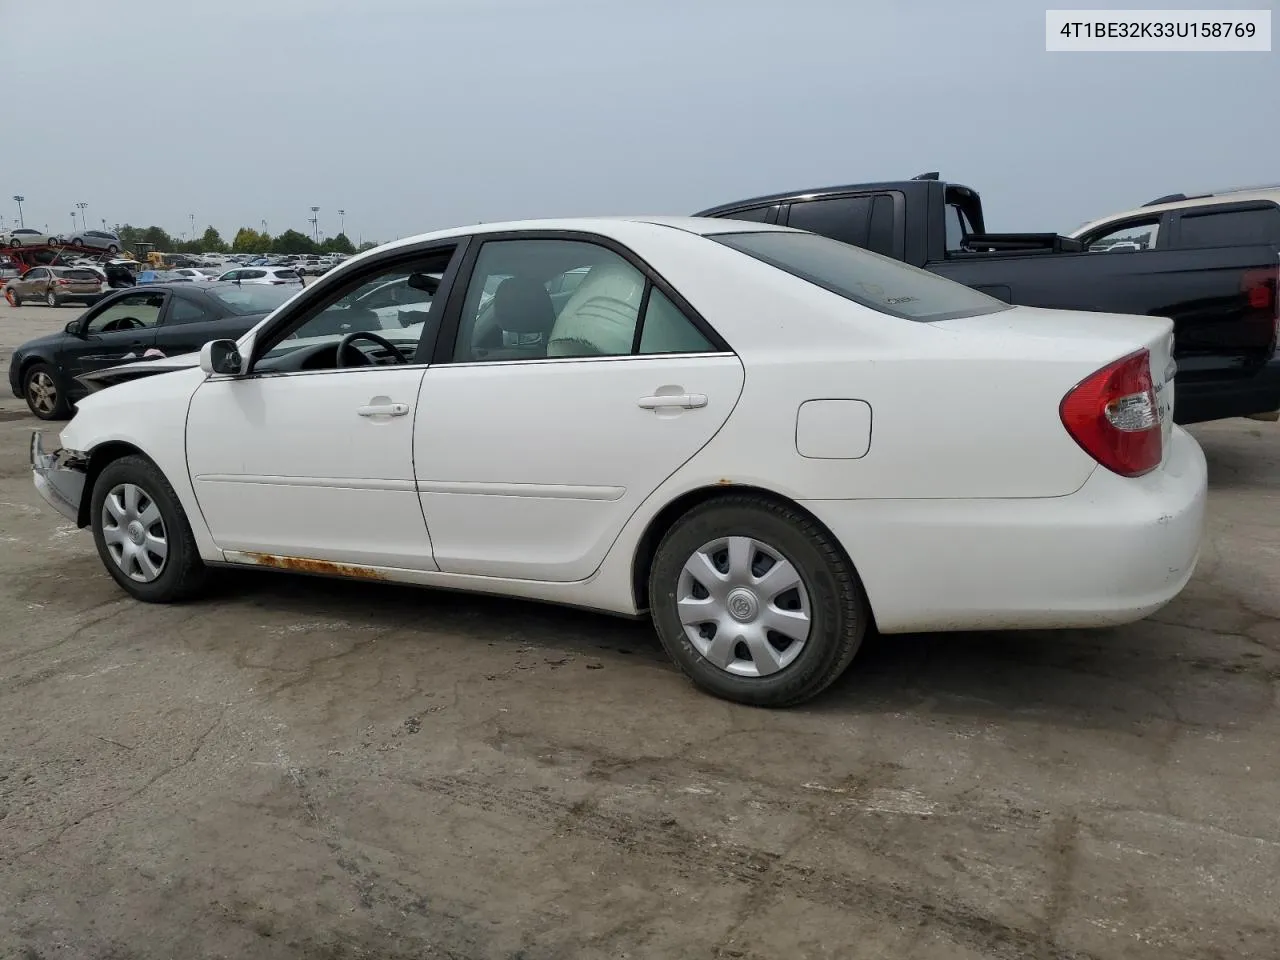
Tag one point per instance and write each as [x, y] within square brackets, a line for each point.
[767, 440]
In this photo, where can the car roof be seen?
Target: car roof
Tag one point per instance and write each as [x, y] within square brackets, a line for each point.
[183, 288]
[606, 226]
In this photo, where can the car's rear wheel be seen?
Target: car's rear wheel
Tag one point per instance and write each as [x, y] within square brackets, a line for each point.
[51, 299]
[43, 391]
[78, 241]
[113, 249]
[755, 602]
[142, 533]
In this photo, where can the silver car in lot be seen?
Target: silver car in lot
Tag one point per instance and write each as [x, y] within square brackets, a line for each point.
[96, 240]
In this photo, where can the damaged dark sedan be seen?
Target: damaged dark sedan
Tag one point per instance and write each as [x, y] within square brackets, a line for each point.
[149, 323]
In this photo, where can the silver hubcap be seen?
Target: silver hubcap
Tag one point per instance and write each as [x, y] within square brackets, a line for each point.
[42, 393]
[134, 532]
[744, 606]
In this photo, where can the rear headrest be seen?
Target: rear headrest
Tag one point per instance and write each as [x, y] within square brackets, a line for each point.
[522, 305]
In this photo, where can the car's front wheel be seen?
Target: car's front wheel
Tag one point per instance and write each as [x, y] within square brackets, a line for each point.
[142, 533]
[13, 298]
[42, 389]
[755, 602]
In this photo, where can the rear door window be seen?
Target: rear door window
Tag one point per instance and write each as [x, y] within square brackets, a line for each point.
[847, 219]
[884, 285]
[186, 311]
[753, 214]
[1227, 228]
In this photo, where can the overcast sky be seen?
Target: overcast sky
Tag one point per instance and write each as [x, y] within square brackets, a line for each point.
[418, 114]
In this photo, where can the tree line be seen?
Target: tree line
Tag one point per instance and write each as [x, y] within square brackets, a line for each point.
[247, 240]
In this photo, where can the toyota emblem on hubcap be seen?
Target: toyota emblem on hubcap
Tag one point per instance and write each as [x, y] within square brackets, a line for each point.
[742, 605]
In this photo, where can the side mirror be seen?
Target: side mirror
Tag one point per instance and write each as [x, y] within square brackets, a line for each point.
[73, 327]
[221, 357]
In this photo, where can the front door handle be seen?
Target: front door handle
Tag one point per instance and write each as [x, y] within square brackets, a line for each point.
[686, 401]
[383, 410]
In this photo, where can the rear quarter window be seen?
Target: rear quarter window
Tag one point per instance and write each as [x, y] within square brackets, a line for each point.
[879, 283]
[1228, 228]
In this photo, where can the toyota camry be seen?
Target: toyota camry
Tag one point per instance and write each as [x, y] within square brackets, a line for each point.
[767, 441]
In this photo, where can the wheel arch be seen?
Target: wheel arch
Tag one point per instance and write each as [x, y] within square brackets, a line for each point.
[102, 455]
[647, 545]
[29, 362]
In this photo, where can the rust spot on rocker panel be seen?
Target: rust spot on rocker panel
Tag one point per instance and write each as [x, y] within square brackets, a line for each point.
[319, 567]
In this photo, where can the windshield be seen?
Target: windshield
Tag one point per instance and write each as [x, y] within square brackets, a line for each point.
[880, 283]
[251, 297]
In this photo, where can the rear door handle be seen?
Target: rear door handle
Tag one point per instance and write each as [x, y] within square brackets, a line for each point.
[383, 410]
[687, 401]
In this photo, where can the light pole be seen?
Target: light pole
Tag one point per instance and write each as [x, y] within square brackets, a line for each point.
[315, 224]
[342, 222]
[73, 222]
[84, 224]
[21, 222]
[193, 225]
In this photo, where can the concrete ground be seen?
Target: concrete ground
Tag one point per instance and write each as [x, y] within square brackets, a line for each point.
[305, 768]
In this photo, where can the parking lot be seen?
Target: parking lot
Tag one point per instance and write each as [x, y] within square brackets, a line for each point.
[308, 768]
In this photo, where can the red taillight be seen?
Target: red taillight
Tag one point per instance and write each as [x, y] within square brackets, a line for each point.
[1114, 417]
[62, 282]
[1261, 289]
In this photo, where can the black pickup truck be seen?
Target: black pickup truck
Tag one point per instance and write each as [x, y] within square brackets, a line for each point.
[1223, 300]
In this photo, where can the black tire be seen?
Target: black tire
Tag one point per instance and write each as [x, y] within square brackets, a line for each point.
[78, 241]
[838, 609]
[51, 300]
[13, 298]
[45, 393]
[183, 574]
[113, 250]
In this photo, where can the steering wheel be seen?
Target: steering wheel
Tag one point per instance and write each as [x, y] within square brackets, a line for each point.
[344, 347]
[122, 323]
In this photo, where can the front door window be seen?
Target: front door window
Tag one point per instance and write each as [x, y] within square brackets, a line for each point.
[135, 311]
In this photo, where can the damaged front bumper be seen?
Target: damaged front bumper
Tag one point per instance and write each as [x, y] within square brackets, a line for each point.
[59, 477]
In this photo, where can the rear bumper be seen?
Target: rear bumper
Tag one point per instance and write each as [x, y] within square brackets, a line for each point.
[59, 477]
[1115, 551]
[1201, 401]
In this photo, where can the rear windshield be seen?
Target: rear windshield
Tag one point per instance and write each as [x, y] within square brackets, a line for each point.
[885, 285]
[78, 274]
[249, 298]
